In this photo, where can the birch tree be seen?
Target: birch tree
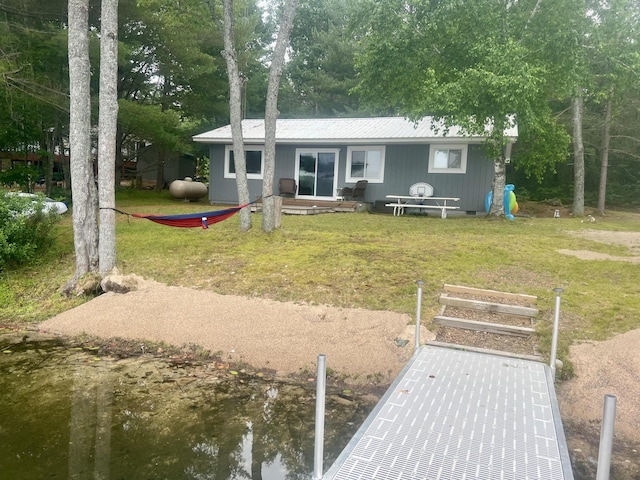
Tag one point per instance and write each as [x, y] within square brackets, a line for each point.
[615, 40]
[83, 188]
[578, 156]
[107, 128]
[235, 112]
[94, 242]
[271, 114]
[236, 83]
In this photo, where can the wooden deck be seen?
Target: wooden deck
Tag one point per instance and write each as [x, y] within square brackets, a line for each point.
[297, 206]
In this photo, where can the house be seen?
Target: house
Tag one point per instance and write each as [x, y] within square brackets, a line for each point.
[325, 155]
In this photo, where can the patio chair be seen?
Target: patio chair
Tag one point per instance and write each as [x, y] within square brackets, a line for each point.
[287, 187]
[355, 192]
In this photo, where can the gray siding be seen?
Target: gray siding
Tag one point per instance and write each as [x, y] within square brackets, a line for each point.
[404, 166]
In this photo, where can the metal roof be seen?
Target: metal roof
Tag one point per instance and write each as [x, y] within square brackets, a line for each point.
[454, 415]
[344, 130]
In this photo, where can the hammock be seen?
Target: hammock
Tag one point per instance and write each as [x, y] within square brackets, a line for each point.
[190, 220]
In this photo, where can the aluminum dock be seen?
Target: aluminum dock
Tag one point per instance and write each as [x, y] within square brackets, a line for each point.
[454, 414]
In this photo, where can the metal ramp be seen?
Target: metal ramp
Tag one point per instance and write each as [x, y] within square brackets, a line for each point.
[454, 414]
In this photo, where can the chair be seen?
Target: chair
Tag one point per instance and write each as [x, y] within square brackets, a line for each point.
[357, 191]
[287, 187]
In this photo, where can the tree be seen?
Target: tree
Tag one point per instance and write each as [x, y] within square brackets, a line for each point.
[478, 64]
[235, 110]
[271, 114]
[85, 225]
[578, 156]
[107, 128]
[33, 81]
[236, 84]
[320, 70]
[615, 52]
[168, 61]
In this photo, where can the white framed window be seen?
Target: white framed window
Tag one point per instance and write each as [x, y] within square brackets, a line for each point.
[448, 158]
[365, 163]
[254, 156]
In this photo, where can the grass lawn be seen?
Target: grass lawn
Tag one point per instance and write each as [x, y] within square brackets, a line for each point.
[364, 260]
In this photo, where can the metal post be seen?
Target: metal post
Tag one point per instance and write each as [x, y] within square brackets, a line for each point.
[606, 438]
[420, 283]
[318, 450]
[556, 327]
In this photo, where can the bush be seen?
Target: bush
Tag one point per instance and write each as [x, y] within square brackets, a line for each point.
[25, 230]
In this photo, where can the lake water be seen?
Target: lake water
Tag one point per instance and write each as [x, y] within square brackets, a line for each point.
[70, 413]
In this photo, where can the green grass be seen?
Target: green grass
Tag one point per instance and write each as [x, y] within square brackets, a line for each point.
[361, 260]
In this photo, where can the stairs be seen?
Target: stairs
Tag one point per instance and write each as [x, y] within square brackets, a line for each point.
[499, 323]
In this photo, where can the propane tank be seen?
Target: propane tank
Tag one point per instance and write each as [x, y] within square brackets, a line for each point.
[188, 189]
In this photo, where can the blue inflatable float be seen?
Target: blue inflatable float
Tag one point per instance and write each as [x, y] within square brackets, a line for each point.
[510, 201]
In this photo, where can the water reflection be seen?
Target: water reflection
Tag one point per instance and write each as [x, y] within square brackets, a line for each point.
[68, 413]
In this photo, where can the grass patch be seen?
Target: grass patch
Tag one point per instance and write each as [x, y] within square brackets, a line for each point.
[355, 260]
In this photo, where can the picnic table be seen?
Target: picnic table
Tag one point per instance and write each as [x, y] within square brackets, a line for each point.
[403, 202]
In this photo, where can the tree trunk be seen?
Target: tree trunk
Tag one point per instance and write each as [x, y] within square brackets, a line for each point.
[271, 115]
[499, 180]
[48, 144]
[107, 127]
[578, 156]
[65, 163]
[160, 170]
[604, 154]
[235, 106]
[83, 188]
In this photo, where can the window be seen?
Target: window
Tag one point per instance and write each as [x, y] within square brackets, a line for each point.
[365, 163]
[448, 159]
[253, 157]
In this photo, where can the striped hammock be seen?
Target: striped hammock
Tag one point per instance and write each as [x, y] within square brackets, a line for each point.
[191, 220]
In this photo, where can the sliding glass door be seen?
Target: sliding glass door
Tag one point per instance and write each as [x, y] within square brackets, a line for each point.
[317, 173]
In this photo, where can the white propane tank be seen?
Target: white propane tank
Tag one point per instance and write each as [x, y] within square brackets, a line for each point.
[188, 189]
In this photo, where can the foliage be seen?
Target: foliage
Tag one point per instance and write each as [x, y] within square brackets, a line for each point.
[320, 70]
[22, 176]
[160, 127]
[25, 230]
[203, 168]
[471, 63]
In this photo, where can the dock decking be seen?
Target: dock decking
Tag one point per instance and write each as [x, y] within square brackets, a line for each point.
[454, 414]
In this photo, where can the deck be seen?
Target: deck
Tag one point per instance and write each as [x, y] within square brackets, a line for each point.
[454, 414]
[296, 206]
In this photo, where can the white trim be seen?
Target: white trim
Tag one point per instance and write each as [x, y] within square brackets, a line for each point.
[247, 148]
[336, 152]
[448, 146]
[367, 148]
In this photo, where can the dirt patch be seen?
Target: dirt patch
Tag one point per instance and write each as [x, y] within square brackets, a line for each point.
[630, 240]
[361, 346]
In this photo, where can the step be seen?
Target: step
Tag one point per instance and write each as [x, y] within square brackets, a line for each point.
[488, 306]
[488, 327]
[531, 299]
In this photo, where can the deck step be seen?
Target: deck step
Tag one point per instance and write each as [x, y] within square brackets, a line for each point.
[488, 306]
[530, 299]
[488, 327]
[465, 348]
